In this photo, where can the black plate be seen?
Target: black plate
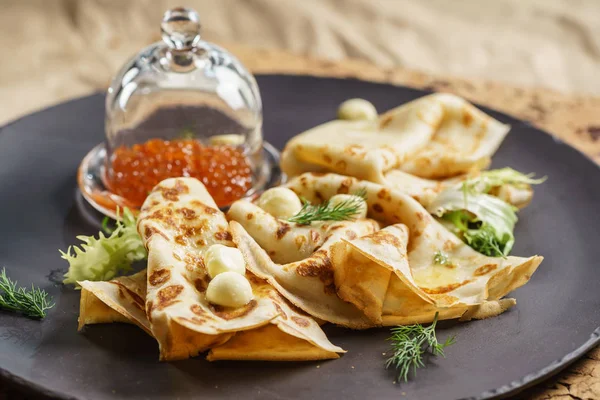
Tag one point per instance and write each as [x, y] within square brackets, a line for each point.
[555, 321]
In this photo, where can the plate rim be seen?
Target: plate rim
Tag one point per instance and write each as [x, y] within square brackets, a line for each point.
[509, 389]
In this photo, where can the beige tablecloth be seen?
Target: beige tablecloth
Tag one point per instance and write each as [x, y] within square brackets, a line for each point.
[54, 50]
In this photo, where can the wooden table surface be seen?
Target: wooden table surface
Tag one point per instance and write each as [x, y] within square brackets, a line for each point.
[574, 119]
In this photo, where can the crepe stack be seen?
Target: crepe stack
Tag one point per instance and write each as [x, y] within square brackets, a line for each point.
[420, 148]
[178, 222]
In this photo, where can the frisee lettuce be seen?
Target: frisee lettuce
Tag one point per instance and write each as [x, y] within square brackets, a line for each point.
[485, 222]
[487, 180]
[107, 256]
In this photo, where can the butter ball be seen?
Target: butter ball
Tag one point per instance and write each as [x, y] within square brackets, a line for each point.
[350, 199]
[219, 259]
[357, 109]
[229, 289]
[280, 202]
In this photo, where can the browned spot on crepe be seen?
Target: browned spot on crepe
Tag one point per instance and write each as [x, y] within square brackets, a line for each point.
[319, 196]
[194, 320]
[445, 289]
[231, 313]
[196, 309]
[304, 181]
[353, 149]
[159, 277]
[194, 261]
[223, 235]
[187, 213]
[149, 308]
[300, 241]
[173, 193]
[484, 269]
[594, 132]
[314, 236]
[201, 284]
[282, 313]
[377, 207]
[282, 229]
[318, 266]
[149, 231]
[385, 120]
[303, 322]
[383, 237]
[383, 193]
[467, 118]
[167, 295]
[345, 186]
[204, 207]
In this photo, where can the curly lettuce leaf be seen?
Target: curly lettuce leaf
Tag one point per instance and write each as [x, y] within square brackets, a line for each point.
[485, 222]
[104, 258]
[487, 180]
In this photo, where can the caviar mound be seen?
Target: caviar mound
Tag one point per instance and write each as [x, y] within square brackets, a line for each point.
[224, 170]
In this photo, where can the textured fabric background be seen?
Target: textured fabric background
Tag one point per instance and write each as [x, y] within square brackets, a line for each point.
[54, 50]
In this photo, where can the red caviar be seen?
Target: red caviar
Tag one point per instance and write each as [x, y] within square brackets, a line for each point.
[224, 170]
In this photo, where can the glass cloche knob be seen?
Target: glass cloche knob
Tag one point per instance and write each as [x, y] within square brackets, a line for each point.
[180, 28]
[180, 107]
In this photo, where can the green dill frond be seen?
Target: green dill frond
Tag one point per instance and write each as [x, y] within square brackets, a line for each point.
[343, 211]
[409, 345]
[440, 257]
[32, 303]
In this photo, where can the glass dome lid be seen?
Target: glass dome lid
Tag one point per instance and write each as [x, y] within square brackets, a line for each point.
[180, 107]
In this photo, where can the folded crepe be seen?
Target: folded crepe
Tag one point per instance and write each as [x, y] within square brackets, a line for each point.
[391, 274]
[287, 242]
[436, 136]
[178, 221]
[421, 148]
[122, 299]
[308, 283]
[291, 336]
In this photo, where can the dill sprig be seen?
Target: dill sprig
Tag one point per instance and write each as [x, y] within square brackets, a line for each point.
[485, 241]
[31, 303]
[345, 210]
[441, 258]
[410, 343]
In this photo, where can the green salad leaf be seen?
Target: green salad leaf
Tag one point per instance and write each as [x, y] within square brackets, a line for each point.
[487, 180]
[103, 258]
[484, 222]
